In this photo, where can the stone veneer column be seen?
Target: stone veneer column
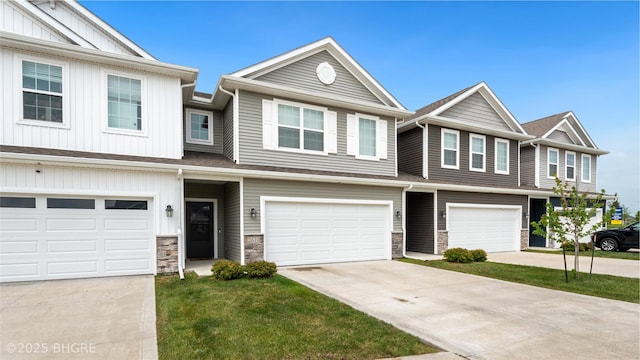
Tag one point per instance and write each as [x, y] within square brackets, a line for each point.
[443, 241]
[396, 245]
[167, 254]
[253, 248]
[524, 239]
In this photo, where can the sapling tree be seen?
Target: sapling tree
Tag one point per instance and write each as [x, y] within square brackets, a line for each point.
[571, 220]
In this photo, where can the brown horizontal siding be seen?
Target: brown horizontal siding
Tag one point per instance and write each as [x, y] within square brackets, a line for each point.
[410, 152]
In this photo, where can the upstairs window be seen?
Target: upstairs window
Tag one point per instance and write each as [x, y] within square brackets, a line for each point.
[199, 127]
[502, 156]
[366, 137]
[450, 153]
[586, 168]
[124, 103]
[552, 161]
[42, 92]
[477, 150]
[570, 165]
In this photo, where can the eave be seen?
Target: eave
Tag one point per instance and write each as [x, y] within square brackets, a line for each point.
[559, 145]
[461, 125]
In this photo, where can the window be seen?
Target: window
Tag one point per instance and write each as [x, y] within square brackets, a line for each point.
[570, 165]
[42, 92]
[124, 103]
[59, 203]
[477, 150]
[17, 202]
[502, 156]
[199, 127]
[125, 205]
[366, 137]
[450, 147]
[300, 128]
[552, 160]
[586, 168]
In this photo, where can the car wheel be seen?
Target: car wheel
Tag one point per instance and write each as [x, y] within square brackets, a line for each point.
[608, 244]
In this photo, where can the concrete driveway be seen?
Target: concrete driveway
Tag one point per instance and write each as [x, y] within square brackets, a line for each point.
[100, 318]
[481, 318]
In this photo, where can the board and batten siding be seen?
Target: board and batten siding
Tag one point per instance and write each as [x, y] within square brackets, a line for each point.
[203, 190]
[218, 133]
[410, 151]
[476, 110]
[82, 27]
[252, 152]
[86, 93]
[419, 227]
[548, 183]
[227, 128]
[88, 182]
[17, 21]
[527, 166]
[232, 240]
[302, 75]
[463, 175]
[254, 188]
[459, 197]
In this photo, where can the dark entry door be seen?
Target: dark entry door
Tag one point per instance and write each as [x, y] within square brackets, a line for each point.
[200, 230]
[537, 208]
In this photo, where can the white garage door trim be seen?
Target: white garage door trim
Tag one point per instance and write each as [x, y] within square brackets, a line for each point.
[515, 224]
[388, 228]
[66, 243]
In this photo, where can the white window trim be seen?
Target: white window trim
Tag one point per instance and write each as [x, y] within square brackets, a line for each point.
[582, 170]
[442, 149]
[191, 140]
[302, 106]
[566, 165]
[104, 93]
[484, 152]
[375, 119]
[19, 106]
[353, 137]
[508, 143]
[557, 164]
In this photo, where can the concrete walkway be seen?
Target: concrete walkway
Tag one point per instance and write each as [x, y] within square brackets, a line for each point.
[481, 318]
[103, 318]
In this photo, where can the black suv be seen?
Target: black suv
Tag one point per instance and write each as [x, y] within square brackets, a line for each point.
[618, 239]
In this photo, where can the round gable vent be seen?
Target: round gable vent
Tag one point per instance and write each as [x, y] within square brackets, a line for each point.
[326, 73]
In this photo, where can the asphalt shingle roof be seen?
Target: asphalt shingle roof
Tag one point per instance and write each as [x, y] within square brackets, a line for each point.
[541, 126]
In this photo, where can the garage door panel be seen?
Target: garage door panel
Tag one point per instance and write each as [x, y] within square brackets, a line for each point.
[12, 224]
[19, 270]
[71, 224]
[490, 228]
[72, 267]
[128, 265]
[19, 247]
[127, 244]
[69, 246]
[123, 224]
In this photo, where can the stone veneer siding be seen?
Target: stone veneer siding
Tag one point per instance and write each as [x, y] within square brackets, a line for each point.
[167, 254]
[524, 239]
[396, 245]
[443, 241]
[253, 248]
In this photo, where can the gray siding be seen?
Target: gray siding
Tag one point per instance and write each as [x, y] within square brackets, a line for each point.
[227, 121]
[410, 152]
[419, 227]
[252, 153]
[216, 122]
[254, 188]
[549, 183]
[463, 175]
[561, 136]
[445, 197]
[478, 111]
[527, 166]
[232, 222]
[210, 191]
[302, 75]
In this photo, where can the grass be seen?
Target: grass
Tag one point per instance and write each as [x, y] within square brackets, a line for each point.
[604, 286]
[275, 318]
[627, 255]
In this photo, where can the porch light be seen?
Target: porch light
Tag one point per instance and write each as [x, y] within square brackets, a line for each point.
[443, 214]
[398, 214]
[253, 212]
[169, 211]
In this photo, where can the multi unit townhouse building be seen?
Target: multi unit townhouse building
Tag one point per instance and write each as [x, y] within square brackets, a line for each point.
[112, 164]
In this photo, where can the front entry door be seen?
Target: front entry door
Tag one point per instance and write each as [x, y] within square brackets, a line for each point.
[537, 207]
[200, 230]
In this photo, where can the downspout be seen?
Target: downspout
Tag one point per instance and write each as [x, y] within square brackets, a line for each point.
[182, 224]
[236, 127]
[425, 151]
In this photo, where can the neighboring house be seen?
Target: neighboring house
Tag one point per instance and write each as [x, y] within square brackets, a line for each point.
[561, 148]
[465, 149]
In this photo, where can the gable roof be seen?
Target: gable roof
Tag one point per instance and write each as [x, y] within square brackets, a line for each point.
[432, 113]
[566, 121]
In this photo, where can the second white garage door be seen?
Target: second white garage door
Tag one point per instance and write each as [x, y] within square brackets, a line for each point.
[298, 233]
[492, 228]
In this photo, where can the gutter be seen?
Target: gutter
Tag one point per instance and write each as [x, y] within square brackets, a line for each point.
[235, 121]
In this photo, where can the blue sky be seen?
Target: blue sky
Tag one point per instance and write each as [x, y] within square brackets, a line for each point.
[540, 58]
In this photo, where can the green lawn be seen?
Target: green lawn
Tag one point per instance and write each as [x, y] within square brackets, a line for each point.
[605, 286]
[627, 255]
[276, 318]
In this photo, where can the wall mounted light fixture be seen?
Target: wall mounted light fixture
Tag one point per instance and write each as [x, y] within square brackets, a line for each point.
[253, 212]
[169, 211]
[443, 214]
[398, 214]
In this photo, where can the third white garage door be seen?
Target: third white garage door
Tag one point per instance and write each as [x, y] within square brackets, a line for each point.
[492, 228]
[298, 233]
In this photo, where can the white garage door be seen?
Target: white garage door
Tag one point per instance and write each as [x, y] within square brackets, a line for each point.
[311, 233]
[492, 228]
[63, 237]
